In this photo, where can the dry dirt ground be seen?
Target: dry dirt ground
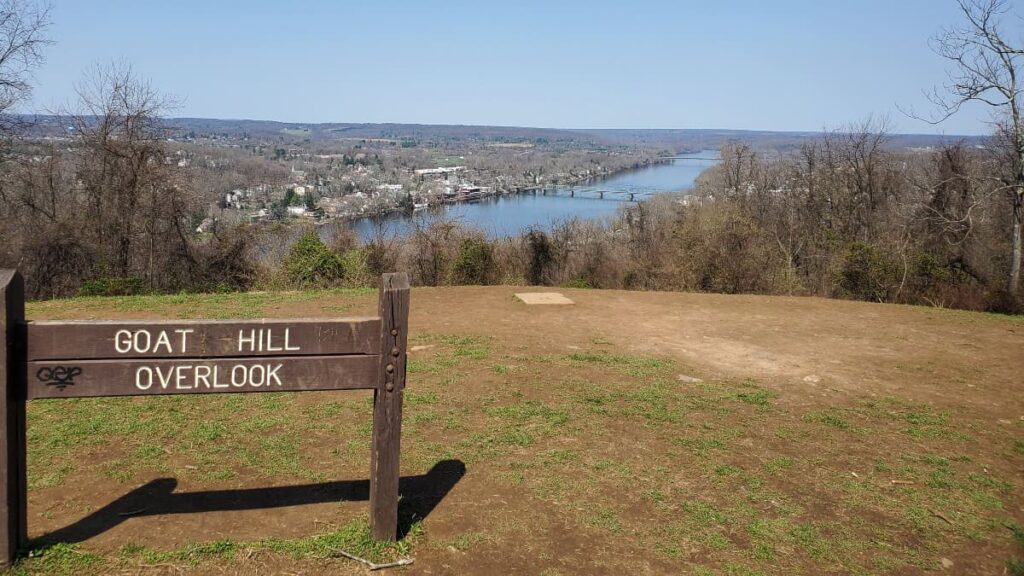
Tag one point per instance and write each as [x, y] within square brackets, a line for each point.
[630, 433]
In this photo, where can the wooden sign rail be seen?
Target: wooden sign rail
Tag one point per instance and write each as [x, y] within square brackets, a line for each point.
[110, 358]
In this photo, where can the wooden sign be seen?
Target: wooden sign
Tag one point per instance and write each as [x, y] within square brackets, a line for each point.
[111, 358]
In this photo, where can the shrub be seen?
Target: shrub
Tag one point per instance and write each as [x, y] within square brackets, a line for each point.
[357, 272]
[222, 263]
[720, 249]
[936, 281]
[475, 263]
[57, 264]
[343, 239]
[585, 253]
[433, 249]
[311, 263]
[578, 283]
[1004, 302]
[866, 273]
[541, 257]
[929, 270]
[112, 286]
[380, 257]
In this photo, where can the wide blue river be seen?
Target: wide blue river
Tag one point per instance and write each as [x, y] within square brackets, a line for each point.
[509, 215]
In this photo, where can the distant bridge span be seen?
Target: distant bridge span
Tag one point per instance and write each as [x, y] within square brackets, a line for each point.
[587, 193]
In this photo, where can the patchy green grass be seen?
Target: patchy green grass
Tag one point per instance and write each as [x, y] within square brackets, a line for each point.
[216, 305]
[778, 464]
[354, 538]
[59, 560]
[472, 347]
[760, 398]
[830, 417]
[709, 474]
[523, 435]
[215, 437]
[631, 365]
[468, 541]
[602, 518]
[1015, 566]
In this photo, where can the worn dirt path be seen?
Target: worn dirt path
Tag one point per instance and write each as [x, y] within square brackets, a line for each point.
[811, 350]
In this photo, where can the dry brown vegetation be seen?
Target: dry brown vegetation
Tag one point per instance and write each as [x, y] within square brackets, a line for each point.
[845, 217]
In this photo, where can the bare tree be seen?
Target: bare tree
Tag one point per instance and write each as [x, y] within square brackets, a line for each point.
[986, 69]
[136, 202]
[23, 26]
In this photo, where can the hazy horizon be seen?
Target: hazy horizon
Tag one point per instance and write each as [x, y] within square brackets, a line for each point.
[565, 129]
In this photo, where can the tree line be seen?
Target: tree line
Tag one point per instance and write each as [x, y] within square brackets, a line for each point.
[843, 217]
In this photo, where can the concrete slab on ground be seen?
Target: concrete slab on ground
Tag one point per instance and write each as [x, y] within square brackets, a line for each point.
[543, 298]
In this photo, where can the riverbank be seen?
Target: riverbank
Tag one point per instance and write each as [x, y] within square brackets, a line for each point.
[594, 178]
[476, 194]
[590, 198]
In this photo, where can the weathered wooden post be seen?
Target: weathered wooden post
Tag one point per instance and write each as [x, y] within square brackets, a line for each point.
[13, 515]
[387, 407]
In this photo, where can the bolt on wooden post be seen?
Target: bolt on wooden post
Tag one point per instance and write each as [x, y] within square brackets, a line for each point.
[387, 407]
[137, 358]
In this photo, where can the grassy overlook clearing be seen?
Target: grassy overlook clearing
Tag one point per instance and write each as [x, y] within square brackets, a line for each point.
[640, 433]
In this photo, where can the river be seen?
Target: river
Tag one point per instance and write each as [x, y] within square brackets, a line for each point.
[508, 215]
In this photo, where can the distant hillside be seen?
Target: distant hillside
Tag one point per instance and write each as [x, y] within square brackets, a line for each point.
[674, 140]
[331, 131]
[703, 139]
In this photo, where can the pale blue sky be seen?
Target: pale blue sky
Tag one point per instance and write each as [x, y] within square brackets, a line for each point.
[742, 64]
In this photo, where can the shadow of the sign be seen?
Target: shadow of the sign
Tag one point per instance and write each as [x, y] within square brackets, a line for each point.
[420, 495]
